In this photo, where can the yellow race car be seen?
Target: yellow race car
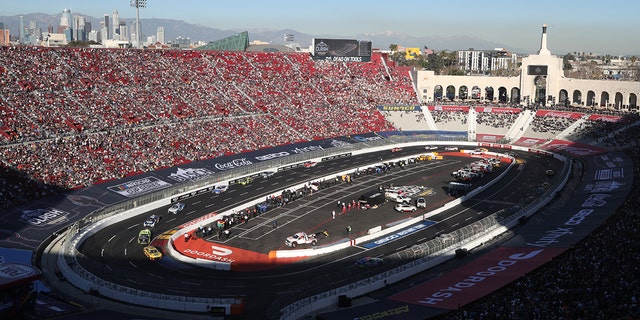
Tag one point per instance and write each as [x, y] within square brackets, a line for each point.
[152, 253]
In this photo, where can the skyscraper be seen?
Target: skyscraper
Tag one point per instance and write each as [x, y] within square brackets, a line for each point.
[160, 34]
[66, 24]
[65, 19]
[21, 31]
[116, 33]
[106, 35]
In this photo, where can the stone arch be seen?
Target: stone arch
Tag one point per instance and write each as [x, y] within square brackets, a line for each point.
[502, 95]
[488, 93]
[451, 92]
[437, 93]
[463, 93]
[563, 97]
[577, 97]
[618, 104]
[515, 95]
[604, 99]
[475, 92]
[633, 101]
[591, 99]
[541, 89]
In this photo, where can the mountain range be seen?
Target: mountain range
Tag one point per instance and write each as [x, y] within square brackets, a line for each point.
[178, 28]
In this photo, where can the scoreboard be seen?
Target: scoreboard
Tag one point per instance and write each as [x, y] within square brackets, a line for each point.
[345, 50]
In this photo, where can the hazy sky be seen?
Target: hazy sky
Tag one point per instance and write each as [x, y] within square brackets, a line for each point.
[574, 25]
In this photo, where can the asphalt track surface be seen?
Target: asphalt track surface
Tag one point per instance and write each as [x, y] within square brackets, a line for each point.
[114, 254]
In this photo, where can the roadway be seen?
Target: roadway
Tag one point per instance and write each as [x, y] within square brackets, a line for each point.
[114, 254]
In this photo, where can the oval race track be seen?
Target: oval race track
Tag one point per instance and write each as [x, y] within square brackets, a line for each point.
[114, 254]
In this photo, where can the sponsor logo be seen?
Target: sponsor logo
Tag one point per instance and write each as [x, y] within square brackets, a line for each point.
[272, 156]
[558, 114]
[596, 200]
[478, 277]
[365, 139]
[85, 201]
[576, 151]
[321, 48]
[608, 174]
[529, 141]
[345, 59]
[603, 186]
[190, 174]
[138, 187]
[217, 253]
[385, 313]
[236, 163]
[307, 149]
[44, 217]
[399, 108]
[339, 143]
[16, 271]
[552, 236]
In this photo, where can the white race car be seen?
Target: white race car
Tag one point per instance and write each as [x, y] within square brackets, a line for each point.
[151, 221]
[176, 207]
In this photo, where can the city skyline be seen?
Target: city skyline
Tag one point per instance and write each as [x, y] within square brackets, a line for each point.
[581, 26]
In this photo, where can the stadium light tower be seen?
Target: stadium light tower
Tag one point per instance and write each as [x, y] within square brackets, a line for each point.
[138, 4]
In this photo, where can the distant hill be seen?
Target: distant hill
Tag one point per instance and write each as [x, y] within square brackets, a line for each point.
[178, 28]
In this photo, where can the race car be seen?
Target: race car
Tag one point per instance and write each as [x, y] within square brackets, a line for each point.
[267, 174]
[176, 207]
[144, 236]
[245, 181]
[396, 149]
[403, 207]
[151, 221]
[451, 148]
[431, 148]
[220, 188]
[152, 253]
[309, 164]
[368, 262]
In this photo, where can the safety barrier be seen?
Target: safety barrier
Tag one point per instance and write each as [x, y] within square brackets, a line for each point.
[85, 280]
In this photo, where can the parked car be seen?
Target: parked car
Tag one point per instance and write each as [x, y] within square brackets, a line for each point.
[403, 207]
[421, 202]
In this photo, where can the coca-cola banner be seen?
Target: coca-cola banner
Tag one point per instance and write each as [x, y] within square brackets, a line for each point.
[559, 114]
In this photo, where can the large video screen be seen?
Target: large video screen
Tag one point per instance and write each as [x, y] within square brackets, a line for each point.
[346, 50]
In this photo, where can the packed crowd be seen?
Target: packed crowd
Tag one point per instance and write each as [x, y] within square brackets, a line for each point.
[598, 279]
[600, 129]
[496, 120]
[551, 124]
[74, 117]
[444, 117]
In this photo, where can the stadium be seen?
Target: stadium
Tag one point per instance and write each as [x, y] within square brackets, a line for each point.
[94, 140]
